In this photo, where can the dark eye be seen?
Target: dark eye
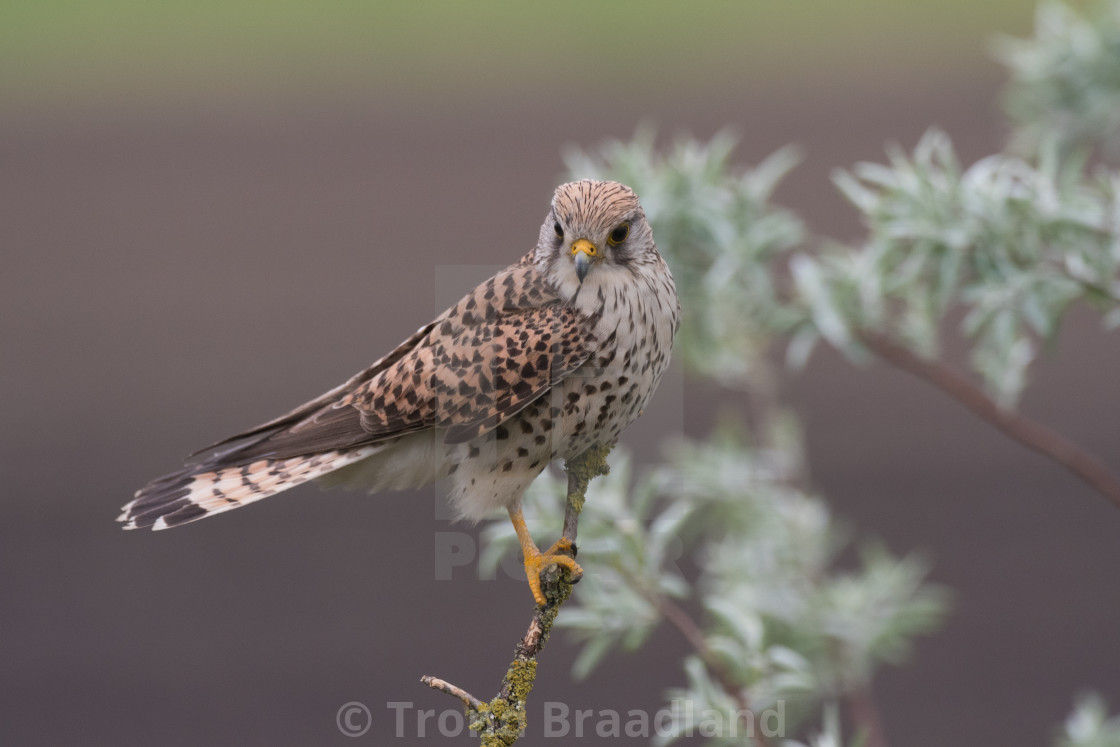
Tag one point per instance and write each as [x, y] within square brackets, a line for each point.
[558, 229]
[619, 234]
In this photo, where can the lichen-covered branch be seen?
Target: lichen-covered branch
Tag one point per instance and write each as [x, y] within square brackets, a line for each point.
[501, 721]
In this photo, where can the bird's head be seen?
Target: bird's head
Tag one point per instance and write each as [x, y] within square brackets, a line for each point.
[593, 227]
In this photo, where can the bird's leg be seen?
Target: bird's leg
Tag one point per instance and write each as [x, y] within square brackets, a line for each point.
[536, 561]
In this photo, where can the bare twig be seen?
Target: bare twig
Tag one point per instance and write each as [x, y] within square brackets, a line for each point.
[1030, 433]
[501, 722]
[454, 691]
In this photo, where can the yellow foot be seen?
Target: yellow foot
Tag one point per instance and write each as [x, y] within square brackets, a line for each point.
[536, 562]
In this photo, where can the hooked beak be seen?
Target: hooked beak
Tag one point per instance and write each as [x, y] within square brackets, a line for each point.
[583, 251]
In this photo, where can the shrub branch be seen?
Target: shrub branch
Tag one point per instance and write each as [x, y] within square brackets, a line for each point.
[502, 721]
[1030, 433]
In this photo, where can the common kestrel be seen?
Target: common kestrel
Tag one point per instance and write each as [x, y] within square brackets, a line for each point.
[554, 354]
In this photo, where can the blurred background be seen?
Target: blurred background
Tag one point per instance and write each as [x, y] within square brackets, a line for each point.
[211, 212]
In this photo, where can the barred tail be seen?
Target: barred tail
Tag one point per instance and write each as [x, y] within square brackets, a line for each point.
[209, 488]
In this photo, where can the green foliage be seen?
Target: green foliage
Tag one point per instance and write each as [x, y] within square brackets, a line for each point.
[1065, 81]
[785, 620]
[1089, 725]
[780, 615]
[1009, 242]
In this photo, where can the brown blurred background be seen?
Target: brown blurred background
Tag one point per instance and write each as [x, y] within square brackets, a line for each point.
[213, 212]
